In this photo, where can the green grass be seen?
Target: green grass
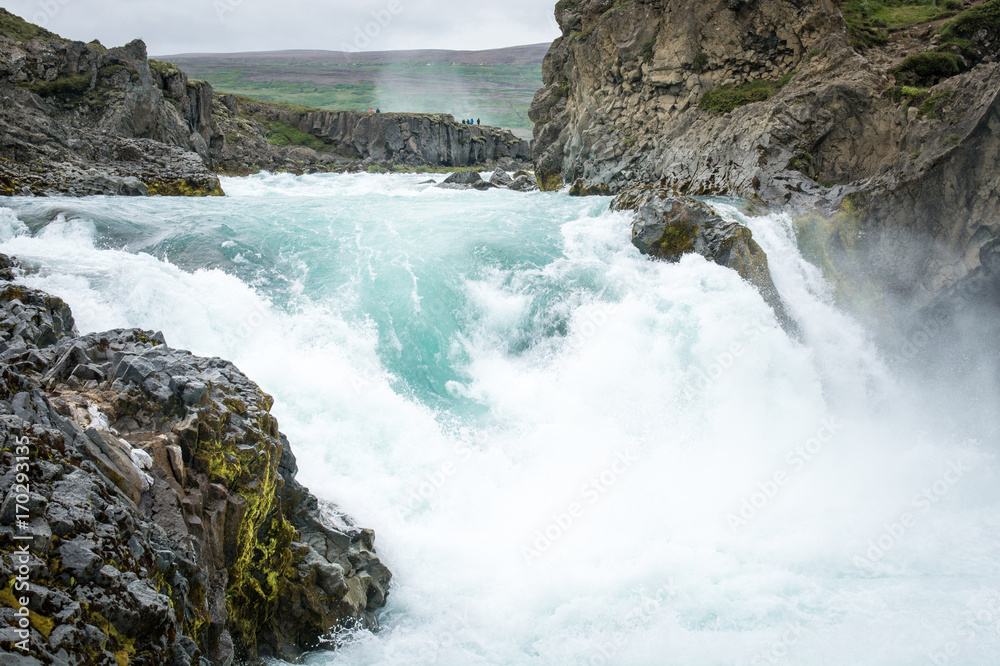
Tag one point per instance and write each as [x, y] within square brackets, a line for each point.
[16, 28]
[927, 68]
[64, 87]
[728, 98]
[961, 30]
[498, 95]
[870, 21]
[283, 134]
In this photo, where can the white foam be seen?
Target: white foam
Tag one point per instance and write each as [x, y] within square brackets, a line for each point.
[597, 362]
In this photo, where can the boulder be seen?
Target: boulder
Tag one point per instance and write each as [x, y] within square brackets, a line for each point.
[501, 178]
[667, 227]
[524, 183]
[461, 180]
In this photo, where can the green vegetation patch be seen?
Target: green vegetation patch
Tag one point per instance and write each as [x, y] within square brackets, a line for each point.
[65, 87]
[282, 134]
[928, 105]
[16, 28]
[567, 5]
[963, 30]
[870, 21]
[164, 69]
[729, 98]
[927, 68]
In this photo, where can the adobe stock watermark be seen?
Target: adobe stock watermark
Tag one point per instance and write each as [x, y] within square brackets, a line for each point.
[247, 326]
[922, 503]
[436, 479]
[563, 521]
[981, 624]
[48, 10]
[595, 317]
[797, 459]
[777, 651]
[606, 652]
[382, 19]
[20, 557]
[450, 636]
[706, 376]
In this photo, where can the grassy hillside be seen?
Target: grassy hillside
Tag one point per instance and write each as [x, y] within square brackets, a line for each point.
[495, 86]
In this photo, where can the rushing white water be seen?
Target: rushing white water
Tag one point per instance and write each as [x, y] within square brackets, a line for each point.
[570, 454]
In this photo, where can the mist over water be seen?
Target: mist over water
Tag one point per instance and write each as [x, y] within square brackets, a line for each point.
[569, 454]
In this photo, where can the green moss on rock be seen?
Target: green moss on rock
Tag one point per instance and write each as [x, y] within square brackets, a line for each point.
[185, 187]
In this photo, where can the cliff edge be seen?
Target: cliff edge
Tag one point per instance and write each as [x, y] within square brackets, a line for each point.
[877, 124]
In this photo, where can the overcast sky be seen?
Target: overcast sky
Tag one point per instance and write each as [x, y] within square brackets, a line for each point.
[221, 26]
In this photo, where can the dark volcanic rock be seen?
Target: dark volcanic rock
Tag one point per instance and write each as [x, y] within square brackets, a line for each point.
[80, 119]
[461, 180]
[667, 227]
[777, 101]
[166, 524]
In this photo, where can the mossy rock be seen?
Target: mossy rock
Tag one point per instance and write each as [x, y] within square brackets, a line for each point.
[185, 187]
[64, 87]
[927, 69]
[581, 190]
[548, 181]
[974, 31]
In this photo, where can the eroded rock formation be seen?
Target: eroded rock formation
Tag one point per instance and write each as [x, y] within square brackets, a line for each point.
[787, 102]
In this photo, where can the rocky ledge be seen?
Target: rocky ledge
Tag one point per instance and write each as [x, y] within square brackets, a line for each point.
[258, 135]
[151, 512]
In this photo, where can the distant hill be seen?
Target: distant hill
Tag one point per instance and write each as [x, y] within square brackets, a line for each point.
[495, 86]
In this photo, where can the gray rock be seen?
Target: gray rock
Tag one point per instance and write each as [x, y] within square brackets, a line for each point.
[667, 227]
[79, 560]
[524, 184]
[466, 178]
[501, 178]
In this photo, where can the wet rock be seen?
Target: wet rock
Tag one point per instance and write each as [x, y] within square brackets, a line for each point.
[461, 180]
[524, 183]
[501, 178]
[667, 227]
[78, 559]
[164, 503]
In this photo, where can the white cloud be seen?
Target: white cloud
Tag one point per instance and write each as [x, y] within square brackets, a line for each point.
[184, 26]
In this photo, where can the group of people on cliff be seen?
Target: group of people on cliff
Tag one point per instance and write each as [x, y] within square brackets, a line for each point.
[470, 121]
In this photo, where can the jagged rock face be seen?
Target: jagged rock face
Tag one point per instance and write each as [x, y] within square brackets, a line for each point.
[166, 525]
[80, 119]
[623, 83]
[636, 93]
[349, 138]
[668, 227]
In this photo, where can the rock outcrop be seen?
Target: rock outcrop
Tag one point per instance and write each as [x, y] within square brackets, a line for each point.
[151, 507]
[790, 103]
[667, 227]
[81, 119]
[316, 140]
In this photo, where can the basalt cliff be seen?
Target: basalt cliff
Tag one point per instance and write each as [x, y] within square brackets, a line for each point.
[150, 510]
[876, 125]
[81, 119]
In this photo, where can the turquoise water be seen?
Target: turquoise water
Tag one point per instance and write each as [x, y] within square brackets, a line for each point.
[570, 454]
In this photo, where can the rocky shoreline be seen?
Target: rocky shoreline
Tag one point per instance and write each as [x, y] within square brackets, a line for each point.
[81, 119]
[151, 513]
